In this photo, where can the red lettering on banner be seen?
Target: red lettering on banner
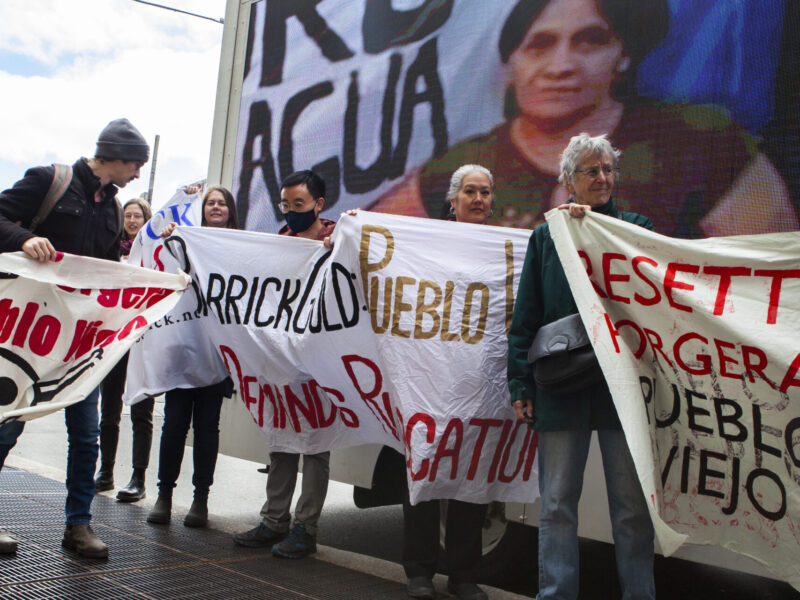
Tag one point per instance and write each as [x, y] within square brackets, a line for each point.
[671, 283]
[725, 274]
[306, 408]
[430, 424]
[498, 451]
[507, 451]
[384, 413]
[442, 451]
[752, 368]
[44, 330]
[484, 425]
[108, 298]
[777, 275]
[82, 339]
[497, 454]
[790, 379]
[588, 262]
[311, 407]
[656, 298]
[611, 277]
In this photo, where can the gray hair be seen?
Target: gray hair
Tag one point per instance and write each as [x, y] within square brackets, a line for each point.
[458, 177]
[580, 145]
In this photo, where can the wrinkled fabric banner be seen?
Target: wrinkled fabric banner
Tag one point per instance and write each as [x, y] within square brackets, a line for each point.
[700, 343]
[64, 324]
[397, 336]
[175, 353]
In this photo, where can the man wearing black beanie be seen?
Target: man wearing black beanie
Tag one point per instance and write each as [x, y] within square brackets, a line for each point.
[75, 210]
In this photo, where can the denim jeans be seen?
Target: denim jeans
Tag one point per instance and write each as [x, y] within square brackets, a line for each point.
[9, 432]
[562, 459]
[83, 430]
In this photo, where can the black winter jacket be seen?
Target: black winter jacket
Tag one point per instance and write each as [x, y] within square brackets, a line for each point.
[77, 224]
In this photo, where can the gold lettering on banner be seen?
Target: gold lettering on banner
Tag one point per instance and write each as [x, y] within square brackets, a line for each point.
[467, 315]
[363, 255]
[509, 283]
[427, 308]
[400, 307]
[373, 304]
[447, 335]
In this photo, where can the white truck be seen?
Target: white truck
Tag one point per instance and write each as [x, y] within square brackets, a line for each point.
[376, 472]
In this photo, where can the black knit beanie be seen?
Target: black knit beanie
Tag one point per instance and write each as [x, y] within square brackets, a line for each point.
[121, 140]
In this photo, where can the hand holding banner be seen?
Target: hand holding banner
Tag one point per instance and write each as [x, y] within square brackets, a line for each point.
[699, 344]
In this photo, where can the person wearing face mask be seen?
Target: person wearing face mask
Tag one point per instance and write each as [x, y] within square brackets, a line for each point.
[302, 199]
[470, 197]
[135, 212]
[199, 407]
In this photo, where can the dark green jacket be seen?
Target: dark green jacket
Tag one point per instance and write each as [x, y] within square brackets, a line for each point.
[543, 297]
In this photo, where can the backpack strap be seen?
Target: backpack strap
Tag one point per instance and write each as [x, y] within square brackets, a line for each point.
[62, 177]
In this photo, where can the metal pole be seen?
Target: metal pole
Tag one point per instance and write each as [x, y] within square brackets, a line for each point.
[153, 171]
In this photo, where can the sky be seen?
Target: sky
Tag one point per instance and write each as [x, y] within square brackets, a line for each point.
[68, 67]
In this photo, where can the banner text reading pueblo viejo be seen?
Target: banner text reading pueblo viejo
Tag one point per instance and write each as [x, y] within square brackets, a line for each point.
[397, 336]
[65, 324]
[700, 344]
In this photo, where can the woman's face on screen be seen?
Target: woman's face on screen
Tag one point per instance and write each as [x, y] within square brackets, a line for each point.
[566, 62]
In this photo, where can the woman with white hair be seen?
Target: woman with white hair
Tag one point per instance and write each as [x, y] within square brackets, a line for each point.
[565, 421]
[470, 196]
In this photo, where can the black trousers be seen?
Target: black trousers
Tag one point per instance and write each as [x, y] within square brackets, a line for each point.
[199, 407]
[110, 413]
[462, 538]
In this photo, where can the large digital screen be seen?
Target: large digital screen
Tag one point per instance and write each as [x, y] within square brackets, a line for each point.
[386, 98]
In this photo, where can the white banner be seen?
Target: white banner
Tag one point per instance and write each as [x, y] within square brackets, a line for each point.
[152, 364]
[64, 324]
[397, 336]
[700, 344]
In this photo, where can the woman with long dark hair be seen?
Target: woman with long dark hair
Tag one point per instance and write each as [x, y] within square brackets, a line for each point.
[199, 407]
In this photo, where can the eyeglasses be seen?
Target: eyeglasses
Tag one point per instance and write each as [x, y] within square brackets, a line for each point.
[296, 206]
[594, 172]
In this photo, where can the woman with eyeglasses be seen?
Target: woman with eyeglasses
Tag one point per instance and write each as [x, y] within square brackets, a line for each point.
[135, 212]
[199, 407]
[565, 422]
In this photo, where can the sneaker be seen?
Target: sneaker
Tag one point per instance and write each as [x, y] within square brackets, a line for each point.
[258, 537]
[298, 544]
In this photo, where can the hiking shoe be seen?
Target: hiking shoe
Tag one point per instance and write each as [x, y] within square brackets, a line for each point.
[258, 537]
[83, 540]
[298, 544]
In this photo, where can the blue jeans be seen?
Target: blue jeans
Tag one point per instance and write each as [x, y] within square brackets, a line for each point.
[82, 432]
[562, 459]
[83, 429]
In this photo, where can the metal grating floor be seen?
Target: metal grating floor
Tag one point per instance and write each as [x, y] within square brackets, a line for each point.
[152, 561]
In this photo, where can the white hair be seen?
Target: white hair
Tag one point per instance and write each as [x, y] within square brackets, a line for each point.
[579, 146]
[458, 177]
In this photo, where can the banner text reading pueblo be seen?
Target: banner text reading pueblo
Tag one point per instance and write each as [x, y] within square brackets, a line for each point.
[616, 277]
[440, 310]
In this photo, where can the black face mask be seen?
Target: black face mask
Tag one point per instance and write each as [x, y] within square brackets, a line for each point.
[300, 221]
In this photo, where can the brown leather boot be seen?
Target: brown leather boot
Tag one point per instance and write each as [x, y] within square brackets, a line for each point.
[8, 545]
[83, 540]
